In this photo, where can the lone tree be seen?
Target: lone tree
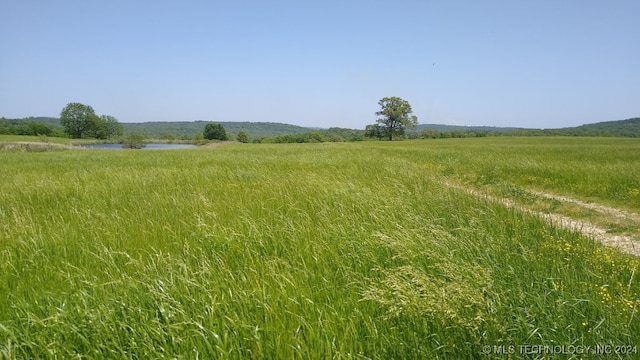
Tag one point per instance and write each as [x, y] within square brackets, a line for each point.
[395, 116]
[77, 119]
[215, 132]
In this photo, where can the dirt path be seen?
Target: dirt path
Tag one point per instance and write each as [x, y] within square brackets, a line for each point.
[623, 243]
[597, 207]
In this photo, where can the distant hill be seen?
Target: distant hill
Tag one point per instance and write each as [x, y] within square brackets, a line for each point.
[258, 130]
[49, 126]
[620, 128]
[160, 129]
[443, 128]
[617, 128]
[254, 130]
[51, 121]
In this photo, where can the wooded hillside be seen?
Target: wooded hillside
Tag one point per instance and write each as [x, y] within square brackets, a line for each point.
[257, 130]
[254, 130]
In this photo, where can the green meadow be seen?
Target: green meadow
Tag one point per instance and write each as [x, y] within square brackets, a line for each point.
[369, 250]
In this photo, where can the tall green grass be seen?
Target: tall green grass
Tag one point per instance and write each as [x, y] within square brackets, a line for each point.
[606, 170]
[291, 251]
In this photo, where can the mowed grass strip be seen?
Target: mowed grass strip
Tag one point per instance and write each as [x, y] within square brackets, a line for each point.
[289, 251]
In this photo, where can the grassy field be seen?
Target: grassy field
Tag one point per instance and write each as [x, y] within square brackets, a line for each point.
[358, 250]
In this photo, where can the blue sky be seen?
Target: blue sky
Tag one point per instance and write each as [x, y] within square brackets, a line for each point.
[540, 64]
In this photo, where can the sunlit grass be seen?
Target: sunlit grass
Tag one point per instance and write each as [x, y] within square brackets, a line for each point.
[297, 251]
[603, 169]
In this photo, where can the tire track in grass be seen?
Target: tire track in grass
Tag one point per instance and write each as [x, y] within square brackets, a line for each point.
[597, 207]
[624, 243]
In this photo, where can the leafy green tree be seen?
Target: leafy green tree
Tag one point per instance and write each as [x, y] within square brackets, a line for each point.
[374, 130]
[242, 137]
[95, 127]
[112, 126]
[35, 128]
[315, 137]
[395, 115]
[215, 132]
[80, 120]
[429, 134]
[77, 119]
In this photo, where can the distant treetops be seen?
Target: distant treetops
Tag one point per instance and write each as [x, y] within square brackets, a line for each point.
[395, 116]
[217, 132]
[80, 121]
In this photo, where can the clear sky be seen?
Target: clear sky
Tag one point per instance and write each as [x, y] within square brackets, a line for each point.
[529, 63]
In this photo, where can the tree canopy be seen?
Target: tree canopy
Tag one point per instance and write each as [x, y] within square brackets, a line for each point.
[215, 132]
[242, 137]
[112, 126]
[80, 120]
[75, 118]
[395, 115]
[374, 131]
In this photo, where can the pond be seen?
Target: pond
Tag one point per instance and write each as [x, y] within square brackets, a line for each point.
[147, 146]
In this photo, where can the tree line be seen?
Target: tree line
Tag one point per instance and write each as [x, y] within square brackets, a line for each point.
[188, 130]
[77, 121]
[32, 126]
[395, 121]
